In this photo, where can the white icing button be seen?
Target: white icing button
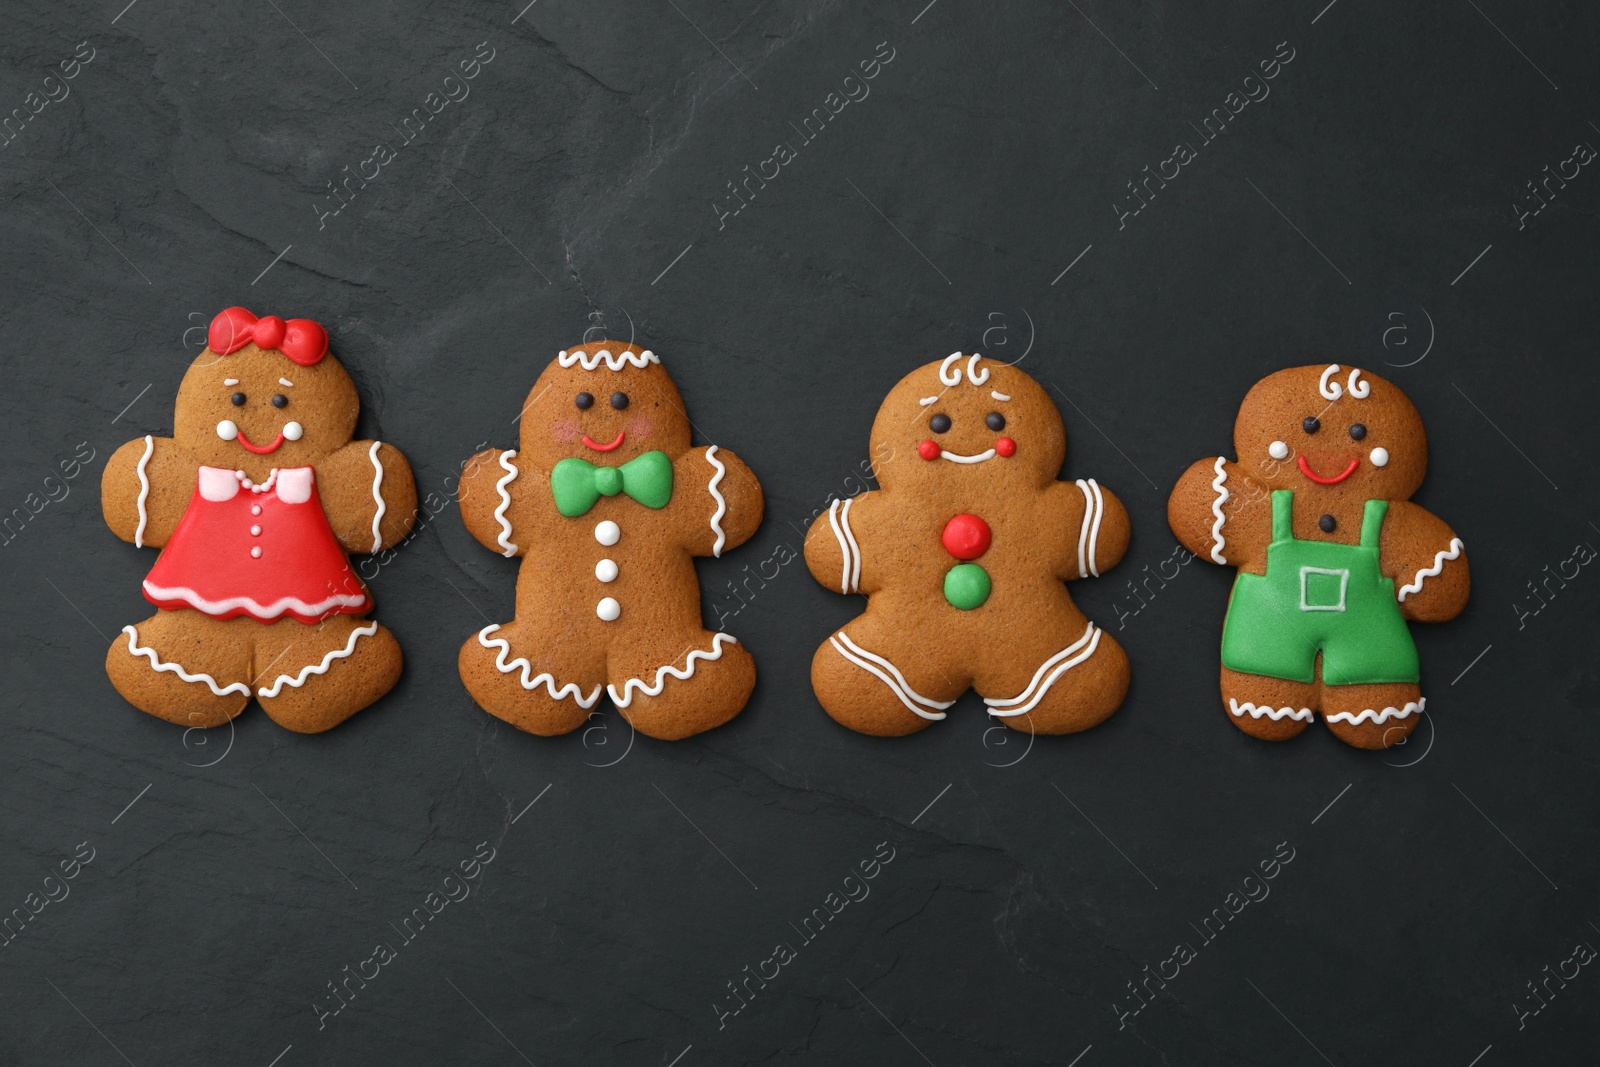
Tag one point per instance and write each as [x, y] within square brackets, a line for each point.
[1278, 450]
[1380, 457]
[607, 533]
[255, 553]
[608, 609]
[606, 570]
[255, 509]
[292, 431]
[255, 531]
[227, 429]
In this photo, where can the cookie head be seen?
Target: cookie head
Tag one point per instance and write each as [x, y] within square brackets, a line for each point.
[1329, 432]
[264, 393]
[605, 403]
[966, 420]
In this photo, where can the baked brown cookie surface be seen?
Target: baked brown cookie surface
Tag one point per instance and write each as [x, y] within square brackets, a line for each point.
[255, 501]
[1333, 557]
[607, 503]
[962, 553]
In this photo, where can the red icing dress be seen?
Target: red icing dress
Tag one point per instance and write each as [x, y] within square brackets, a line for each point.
[260, 550]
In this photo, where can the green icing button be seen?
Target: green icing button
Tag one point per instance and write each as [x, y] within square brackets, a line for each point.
[966, 586]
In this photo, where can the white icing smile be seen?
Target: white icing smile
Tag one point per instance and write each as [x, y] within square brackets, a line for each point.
[955, 457]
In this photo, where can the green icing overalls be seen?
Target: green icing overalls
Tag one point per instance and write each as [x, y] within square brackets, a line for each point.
[1317, 595]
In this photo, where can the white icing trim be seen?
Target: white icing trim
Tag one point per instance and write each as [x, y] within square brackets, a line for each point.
[144, 489]
[250, 604]
[972, 375]
[1083, 528]
[612, 362]
[319, 668]
[855, 549]
[547, 680]
[1094, 534]
[1216, 509]
[1415, 585]
[230, 381]
[507, 549]
[1330, 390]
[944, 370]
[925, 401]
[849, 551]
[1036, 691]
[683, 674]
[1369, 715]
[955, 457]
[285, 381]
[999, 396]
[898, 685]
[377, 483]
[1267, 711]
[157, 664]
[722, 505]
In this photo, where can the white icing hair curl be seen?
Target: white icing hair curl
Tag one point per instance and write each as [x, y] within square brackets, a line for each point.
[1358, 388]
[950, 373]
[590, 361]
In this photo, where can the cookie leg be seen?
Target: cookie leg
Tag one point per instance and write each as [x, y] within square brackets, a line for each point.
[876, 681]
[1372, 716]
[310, 678]
[182, 666]
[515, 673]
[1271, 709]
[1076, 686]
[704, 685]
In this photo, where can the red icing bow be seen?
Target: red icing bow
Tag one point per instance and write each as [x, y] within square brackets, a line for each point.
[302, 340]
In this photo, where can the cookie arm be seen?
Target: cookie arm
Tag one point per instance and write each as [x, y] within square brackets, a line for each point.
[717, 486]
[497, 500]
[1095, 523]
[1221, 514]
[145, 488]
[1427, 562]
[833, 542]
[369, 495]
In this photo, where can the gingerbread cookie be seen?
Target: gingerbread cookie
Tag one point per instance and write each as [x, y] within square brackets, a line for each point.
[254, 501]
[607, 504]
[1333, 557]
[962, 554]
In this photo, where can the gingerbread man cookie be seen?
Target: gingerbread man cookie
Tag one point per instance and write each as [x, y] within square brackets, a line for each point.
[1333, 557]
[607, 504]
[962, 554]
[254, 501]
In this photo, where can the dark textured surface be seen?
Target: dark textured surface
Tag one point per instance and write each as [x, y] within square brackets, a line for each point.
[593, 149]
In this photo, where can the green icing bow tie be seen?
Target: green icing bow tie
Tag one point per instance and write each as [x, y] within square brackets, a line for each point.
[577, 483]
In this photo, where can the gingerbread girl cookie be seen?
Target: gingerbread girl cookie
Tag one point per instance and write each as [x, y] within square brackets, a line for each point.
[607, 504]
[254, 501]
[962, 554]
[1333, 557]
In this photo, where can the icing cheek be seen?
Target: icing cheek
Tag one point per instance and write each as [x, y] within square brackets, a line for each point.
[1278, 450]
[1005, 447]
[638, 428]
[927, 449]
[293, 431]
[227, 429]
[1379, 457]
[565, 431]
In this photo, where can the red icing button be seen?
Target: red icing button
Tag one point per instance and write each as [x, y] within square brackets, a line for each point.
[1006, 447]
[966, 537]
[928, 450]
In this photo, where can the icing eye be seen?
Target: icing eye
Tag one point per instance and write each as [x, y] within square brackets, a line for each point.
[619, 400]
[1311, 424]
[1357, 431]
[585, 401]
[1278, 450]
[280, 401]
[939, 424]
[238, 400]
[995, 421]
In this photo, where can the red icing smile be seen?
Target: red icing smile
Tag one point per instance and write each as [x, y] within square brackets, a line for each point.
[604, 448]
[1305, 468]
[261, 450]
